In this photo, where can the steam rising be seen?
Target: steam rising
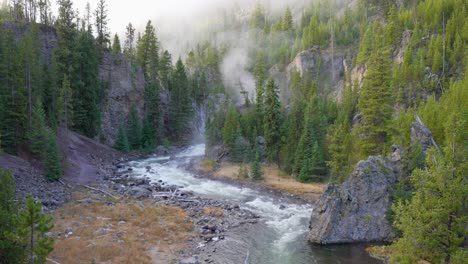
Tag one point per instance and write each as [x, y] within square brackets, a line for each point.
[182, 24]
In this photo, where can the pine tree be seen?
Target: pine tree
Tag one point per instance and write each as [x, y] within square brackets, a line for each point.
[181, 110]
[433, 222]
[230, 126]
[272, 122]
[287, 20]
[121, 143]
[11, 245]
[148, 135]
[134, 129]
[255, 165]
[148, 52]
[52, 160]
[34, 224]
[165, 68]
[153, 114]
[37, 137]
[116, 48]
[129, 45]
[260, 77]
[238, 153]
[85, 100]
[339, 144]
[375, 99]
[103, 35]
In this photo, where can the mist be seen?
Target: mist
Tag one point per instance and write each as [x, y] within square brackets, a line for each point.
[182, 24]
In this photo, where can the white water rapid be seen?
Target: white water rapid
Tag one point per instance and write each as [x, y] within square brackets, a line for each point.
[282, 241]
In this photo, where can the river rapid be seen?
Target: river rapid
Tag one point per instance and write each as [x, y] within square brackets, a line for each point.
[281, 235]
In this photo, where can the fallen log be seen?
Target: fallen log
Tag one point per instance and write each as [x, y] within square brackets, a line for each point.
[102, 191]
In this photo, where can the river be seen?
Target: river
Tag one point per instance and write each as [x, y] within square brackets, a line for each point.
[279, 238]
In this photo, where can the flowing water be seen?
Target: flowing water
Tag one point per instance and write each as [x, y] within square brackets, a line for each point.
[279, 239]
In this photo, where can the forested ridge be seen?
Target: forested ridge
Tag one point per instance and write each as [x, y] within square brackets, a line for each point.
[400, 60]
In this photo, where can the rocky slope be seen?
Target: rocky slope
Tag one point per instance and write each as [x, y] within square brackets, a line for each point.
[356, 210]
[84, 160]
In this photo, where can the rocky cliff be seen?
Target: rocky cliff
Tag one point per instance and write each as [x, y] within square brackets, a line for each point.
[319, 64]
[356, 210]
[124, 88]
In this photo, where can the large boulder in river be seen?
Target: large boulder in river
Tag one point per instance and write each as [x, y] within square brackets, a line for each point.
[355, 210]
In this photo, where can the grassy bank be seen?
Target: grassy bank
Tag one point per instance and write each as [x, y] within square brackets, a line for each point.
[273, 178]
[126, 231]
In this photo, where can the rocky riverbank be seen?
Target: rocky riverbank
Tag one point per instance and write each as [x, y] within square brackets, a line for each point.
[214, 221]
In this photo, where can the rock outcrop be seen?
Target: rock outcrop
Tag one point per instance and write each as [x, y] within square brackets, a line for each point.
[321, 66]
[125, 88]
[355, 210]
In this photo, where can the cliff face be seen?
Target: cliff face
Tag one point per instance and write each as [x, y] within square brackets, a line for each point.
[320, 65]
[125, 88]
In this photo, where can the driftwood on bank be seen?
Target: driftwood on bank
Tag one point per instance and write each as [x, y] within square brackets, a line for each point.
[102, 191]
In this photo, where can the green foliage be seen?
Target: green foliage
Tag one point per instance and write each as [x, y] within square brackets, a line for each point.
[239, 152]
[181, 109]
[134, 131]
[34, 224]
[256, 166]
[340, 147]
[116, 47]
[272, 121]
[11, 245]
[230, 126]
[44, 144]
[121, 143]
[375, 99]
[433, 223]
[103, 35]
[147, 53]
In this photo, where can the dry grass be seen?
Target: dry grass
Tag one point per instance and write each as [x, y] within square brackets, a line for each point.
[206, 166]
[213, 211]
[149, 233]
[276, 179]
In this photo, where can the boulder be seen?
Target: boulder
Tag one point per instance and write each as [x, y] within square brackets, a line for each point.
[355, 211]
[191, 260]
[139, 192]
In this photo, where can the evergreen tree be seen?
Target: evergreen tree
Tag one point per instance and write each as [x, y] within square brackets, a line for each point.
[255, 165]
[238, 153]
[260, 74]
[134, 129]
[230, 126]
[165, 68]
[116, 48]
[52, 160]
[85, 97]
[11, 245]
[287, 24]
[153, 119]
[148, 135]
[375, 99]
[148, 52]
[103, 35]
[272, 121]
[181, 110]
[339, 144]
[129, 45]
[121, 143]
[37, 134]
[433, 222]
[34, 224]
